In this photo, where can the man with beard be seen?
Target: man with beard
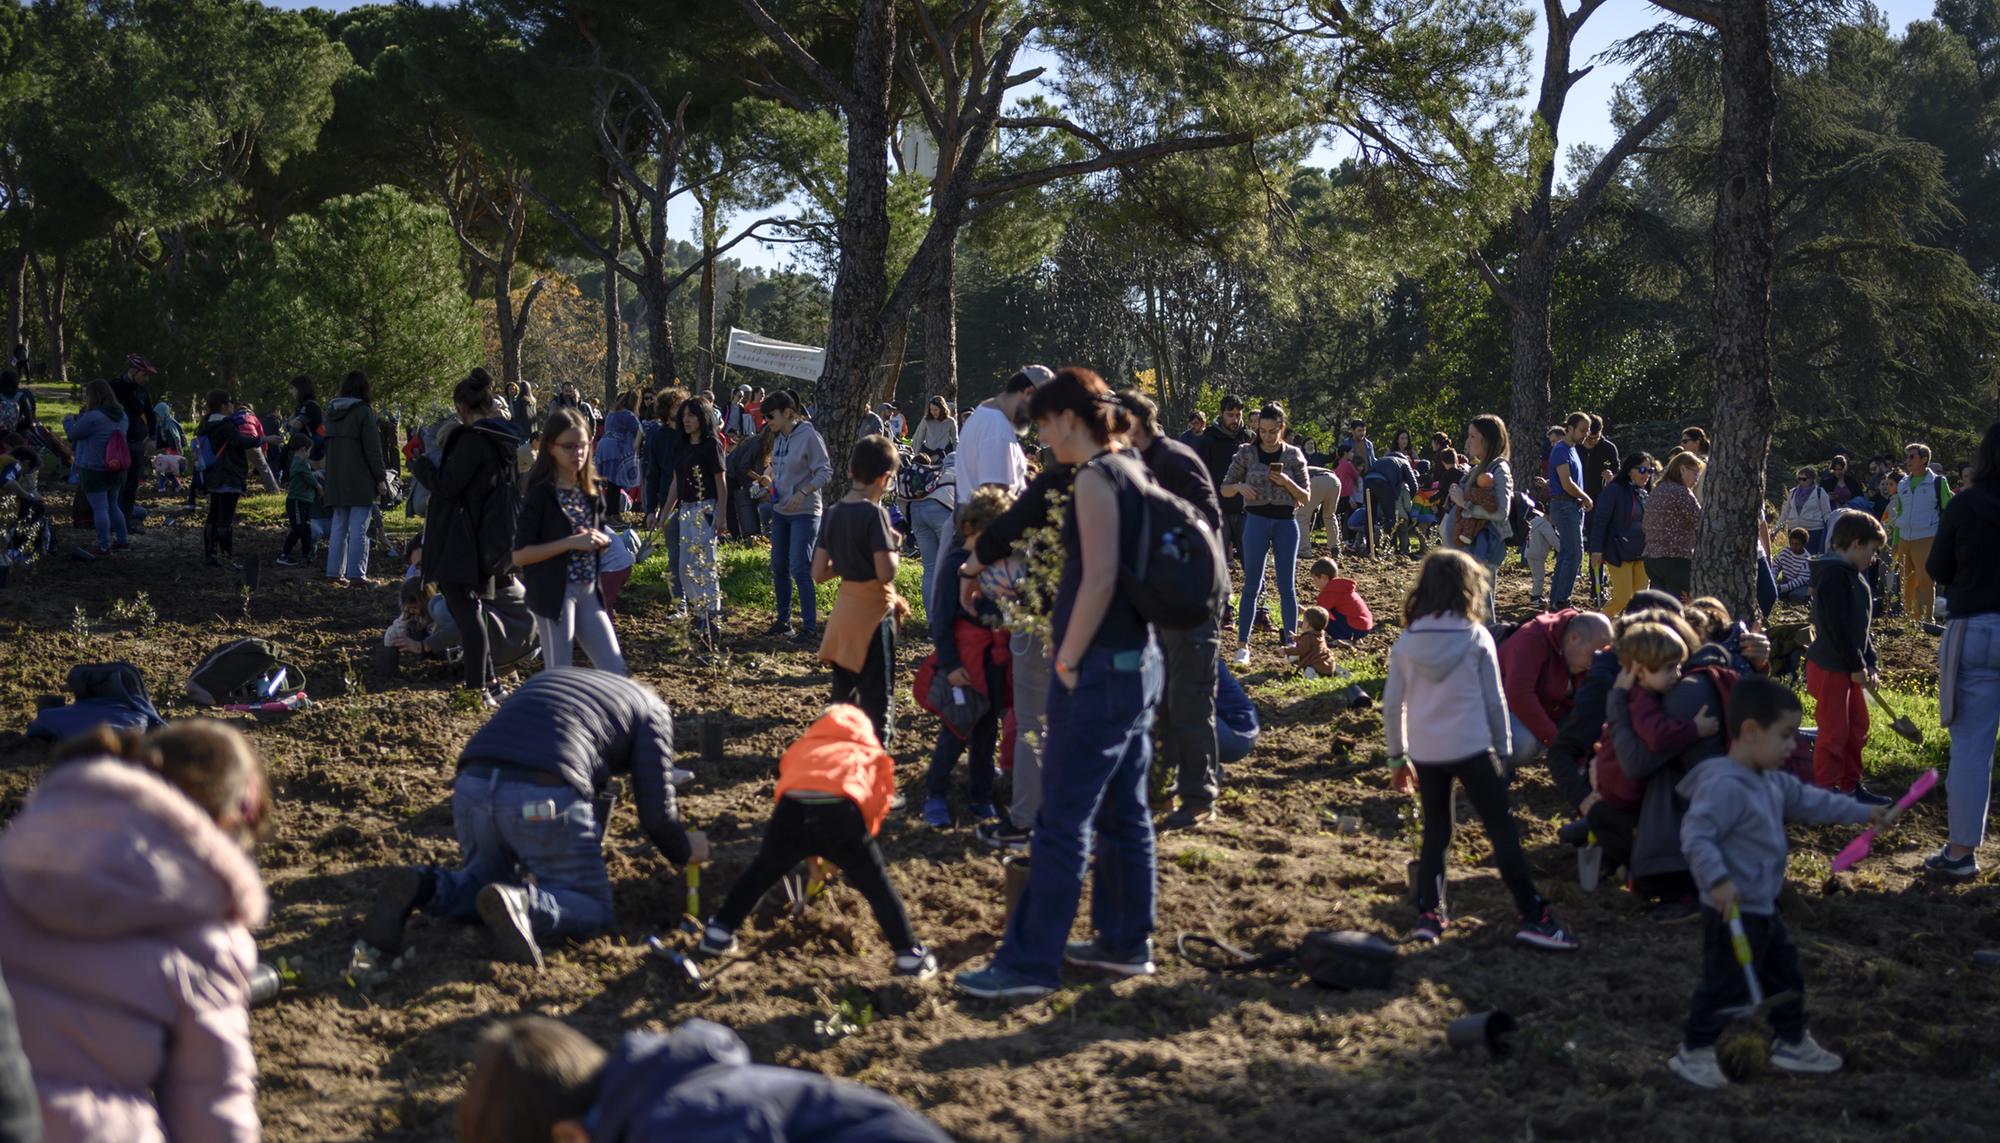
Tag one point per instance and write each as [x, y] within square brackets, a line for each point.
[989, 446]
[1217, 447]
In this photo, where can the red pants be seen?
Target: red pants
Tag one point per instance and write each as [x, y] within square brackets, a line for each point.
[1843, 727]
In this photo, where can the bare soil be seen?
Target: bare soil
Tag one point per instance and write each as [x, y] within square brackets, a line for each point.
[363, 776]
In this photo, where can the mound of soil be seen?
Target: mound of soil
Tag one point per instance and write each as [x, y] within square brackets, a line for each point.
[362, 782]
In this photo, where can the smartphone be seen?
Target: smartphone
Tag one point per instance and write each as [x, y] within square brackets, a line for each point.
[538, 811]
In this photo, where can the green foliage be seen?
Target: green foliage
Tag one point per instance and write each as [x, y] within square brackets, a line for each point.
[370, 282]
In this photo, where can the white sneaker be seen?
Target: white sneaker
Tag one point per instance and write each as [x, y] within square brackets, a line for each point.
[1698, 1066]
[1242, 657]
[1806, 1057]
[1311, 674]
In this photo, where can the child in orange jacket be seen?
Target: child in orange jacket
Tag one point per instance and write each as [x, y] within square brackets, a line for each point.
[834, 787]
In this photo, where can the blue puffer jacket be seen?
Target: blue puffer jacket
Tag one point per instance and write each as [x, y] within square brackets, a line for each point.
[697, 1085]
[1618, 524]
[91, 432]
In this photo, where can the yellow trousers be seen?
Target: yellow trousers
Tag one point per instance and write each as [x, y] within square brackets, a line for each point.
[1627, 580]
[1919, 593]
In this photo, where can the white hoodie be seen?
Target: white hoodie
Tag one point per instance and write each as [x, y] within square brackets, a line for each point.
[1443, 701]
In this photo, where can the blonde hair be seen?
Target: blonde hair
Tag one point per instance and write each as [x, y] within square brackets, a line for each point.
[985, 507]
[1680, 462]
[1650, 646]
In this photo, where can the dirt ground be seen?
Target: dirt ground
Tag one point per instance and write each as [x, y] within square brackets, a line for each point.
[362, 781]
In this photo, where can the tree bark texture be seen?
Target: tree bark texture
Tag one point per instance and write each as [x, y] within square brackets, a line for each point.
[614, 317]
[941, 329]
[1725, 563]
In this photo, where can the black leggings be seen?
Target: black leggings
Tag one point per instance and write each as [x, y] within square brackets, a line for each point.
[836, 832]
[218, 534]
[300, 515]
[1487, 790]
[468, 613]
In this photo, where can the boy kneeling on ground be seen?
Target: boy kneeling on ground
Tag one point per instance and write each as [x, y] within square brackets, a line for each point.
[537, 1078]
[530, 795]
[1734, 839]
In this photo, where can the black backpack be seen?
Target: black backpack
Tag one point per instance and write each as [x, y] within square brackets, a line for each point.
[1345, 960]
[230, 673]
[1170, 561]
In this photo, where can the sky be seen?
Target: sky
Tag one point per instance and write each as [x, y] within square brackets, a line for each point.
[1586, 116]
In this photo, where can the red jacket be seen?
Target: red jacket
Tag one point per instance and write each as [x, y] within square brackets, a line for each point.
[1540, 689]
[1660, 734]
[1340, 597]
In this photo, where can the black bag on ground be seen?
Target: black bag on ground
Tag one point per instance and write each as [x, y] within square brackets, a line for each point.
[230, 673]
[109, 694]
[1170, 561]
[1345, 960]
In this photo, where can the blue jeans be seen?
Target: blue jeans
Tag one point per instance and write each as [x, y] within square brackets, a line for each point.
[1279, 537]
[1816, 541]
[558, 856]
[1094, 764]
[109, 518]
[930, 523]
[1767, 586]
[1567, 517]
[347, 543]
[1974, 729]
[792, 539]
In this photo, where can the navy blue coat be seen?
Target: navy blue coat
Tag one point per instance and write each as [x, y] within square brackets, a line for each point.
[696, 1084]
[1618, 524]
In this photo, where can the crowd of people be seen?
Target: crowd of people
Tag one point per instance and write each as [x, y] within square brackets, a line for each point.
[1674, 750]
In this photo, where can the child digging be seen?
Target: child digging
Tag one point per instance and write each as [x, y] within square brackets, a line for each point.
[834, 786]
[1348, 617]
[1443, 709]
[972, 652]
[1734, 839]
[1309, 651]
[858, 547]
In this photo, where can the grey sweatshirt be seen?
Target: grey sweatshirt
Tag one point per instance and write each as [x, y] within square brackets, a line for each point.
[1735, 826]
[799, 469]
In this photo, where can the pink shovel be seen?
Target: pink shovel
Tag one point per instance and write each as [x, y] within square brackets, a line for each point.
[1858, 848]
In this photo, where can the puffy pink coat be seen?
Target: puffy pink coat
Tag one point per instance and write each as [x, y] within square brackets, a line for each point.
[125, 919]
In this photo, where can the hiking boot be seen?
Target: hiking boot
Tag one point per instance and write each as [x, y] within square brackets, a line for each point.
[1943, 863]
[1187, 817]
[1429, 928]
[1542, 931]
[504, 909]
[1093, 954]
[399, 895]
[777, 629]
[1241, 658]
[917, 962]
[937, 813]
[1674, 911]
[996, 983]
[1003, 835]
[982, 812]
[715, 941]
[1699, 1067]
[1805, 1057]
[1868, 797]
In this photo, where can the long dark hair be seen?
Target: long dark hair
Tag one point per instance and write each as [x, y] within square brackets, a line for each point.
[1987, 466]
[561, 420]
[355, 385]
[1631, 462]
[700, 404]
[302, 388]
[1082, 392]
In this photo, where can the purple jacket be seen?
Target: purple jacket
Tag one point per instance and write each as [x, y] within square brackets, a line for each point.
[125, 919]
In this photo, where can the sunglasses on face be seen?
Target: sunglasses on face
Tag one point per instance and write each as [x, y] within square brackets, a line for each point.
[1650, 471]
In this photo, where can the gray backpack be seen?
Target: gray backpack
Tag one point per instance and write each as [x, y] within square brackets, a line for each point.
[234, 671]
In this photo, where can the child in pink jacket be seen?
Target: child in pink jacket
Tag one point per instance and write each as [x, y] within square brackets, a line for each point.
[126, 900]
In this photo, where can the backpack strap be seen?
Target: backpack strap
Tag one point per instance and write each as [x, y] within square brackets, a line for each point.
[1230, 958]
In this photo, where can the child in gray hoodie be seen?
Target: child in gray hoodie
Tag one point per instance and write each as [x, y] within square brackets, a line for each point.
[1734, 840]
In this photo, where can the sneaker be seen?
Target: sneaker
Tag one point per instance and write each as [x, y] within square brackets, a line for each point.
[996, 983]
[777, 629]
[982, 812]
[937, 813]
[805, 635]
[100, 553]
[1429, 928]
[1187, 817]
[715, 941]
[504, 909]
[286, 562]
[337, 581]
[1003, 835]
[1674, 911]
[1093, 954]
[898, 803]
[401, 892]
[1310, 673]
[122, 546]
[1943, 863]
[1934, 629]
[1536, 602]
[1242, 657]
[1868, 797]
[1805, 1057]
[1699, 1067]
[1575, 834]
[1543, 932]
[917, 962]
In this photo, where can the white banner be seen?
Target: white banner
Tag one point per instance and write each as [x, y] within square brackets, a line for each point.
[805, 362]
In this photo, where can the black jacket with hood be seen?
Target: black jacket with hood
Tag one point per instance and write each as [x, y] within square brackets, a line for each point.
[469, 529]
[1965, 557]
[1841, 608]
[1217, 447]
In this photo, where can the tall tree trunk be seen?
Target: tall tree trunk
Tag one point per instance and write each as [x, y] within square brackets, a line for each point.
[941, 328]
[52, 285]
[1725, 563]
[659, 330]
[510, 332]
[16, 272]
[1533, 362]
[854, 339]
[614, 317]
[704, 373]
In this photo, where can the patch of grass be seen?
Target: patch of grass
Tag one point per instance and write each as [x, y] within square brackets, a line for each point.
[1887, 755]
[746, 579]
[1198, 859]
